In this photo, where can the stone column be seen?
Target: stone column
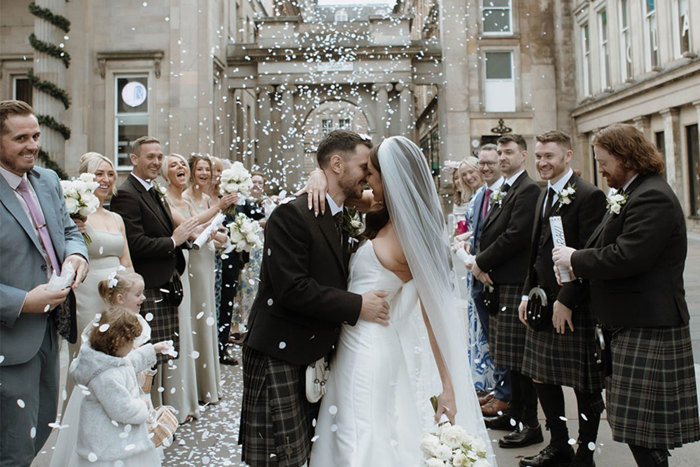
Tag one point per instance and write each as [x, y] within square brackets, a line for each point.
[291, 167]
[263, 126]
[643, 124]
[694, 170]
[672, 140]
[50, 69]
[382, 95]
[406, 118]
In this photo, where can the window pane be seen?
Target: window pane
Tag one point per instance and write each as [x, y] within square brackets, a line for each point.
[498, 65]
[496, 20]
[132, 95]
[497, 3]
[651, 5]
[129, 128]
[23, 90]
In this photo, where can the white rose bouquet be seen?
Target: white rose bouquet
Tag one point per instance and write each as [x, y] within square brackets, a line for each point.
[237, 179]
[79, 195]
[452, 446]
[244, 234]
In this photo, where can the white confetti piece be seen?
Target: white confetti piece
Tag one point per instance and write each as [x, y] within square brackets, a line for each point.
[199, 315]
[334, 428]
[104, 327]
[32, 432]
[211, 321]
[20, 403]
[269, 252]
[149, 316]
[270, 302]
[591, 446]
[129, 447]
[2, 358]
[194, 354]
[92, 457]
[332, 410]
[572, 441]
[282, 345]
[47, 308]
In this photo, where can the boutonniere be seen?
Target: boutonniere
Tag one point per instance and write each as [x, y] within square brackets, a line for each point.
[615, 201]
[161, 190]
[497, 197]
[566, 196]
[352, 222]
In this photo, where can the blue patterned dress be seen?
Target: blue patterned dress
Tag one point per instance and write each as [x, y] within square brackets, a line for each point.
[479, 358]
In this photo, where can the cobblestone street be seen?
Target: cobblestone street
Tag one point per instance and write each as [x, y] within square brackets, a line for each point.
[213, 439]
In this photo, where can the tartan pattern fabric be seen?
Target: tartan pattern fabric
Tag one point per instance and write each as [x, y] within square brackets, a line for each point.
[651, 394]
[506, 332]
[276, 419]
[164, 323]
[565, 359]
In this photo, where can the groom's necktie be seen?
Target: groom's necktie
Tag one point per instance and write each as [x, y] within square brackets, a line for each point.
[485, 203]
[40, 224]
[338, 218]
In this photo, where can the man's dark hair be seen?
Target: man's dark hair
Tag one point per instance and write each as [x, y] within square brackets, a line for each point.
[555, 136]
[341, 142]
[513, 138]
[13, 107]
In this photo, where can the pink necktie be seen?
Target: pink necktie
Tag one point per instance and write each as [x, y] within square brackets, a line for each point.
[40, 224]
[485, 206]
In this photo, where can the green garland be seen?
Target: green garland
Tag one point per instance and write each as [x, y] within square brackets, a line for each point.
[49, 88]
[51, 164]
[50, 49]
[61, 22]
[49, 121]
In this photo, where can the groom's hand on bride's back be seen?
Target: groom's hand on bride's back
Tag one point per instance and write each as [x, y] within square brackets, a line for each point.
[374, 307]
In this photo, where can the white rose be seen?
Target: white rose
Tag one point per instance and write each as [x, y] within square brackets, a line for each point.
[615, 209]
[86, 177]
[434, 463]
[429, 444]
[479, 446]
[453, 436]
[72, 205]
[460, 460]
[443, 452]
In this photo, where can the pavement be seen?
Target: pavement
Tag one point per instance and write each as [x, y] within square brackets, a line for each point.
[212, 439]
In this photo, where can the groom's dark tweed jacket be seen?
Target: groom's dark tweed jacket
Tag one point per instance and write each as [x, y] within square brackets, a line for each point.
[302, 300]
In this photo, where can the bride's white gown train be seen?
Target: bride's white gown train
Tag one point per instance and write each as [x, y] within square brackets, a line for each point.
[377, 406]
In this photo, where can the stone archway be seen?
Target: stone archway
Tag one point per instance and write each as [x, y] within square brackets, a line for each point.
[328, 116]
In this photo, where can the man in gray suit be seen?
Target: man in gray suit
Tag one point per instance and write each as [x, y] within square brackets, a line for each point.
[38, 238]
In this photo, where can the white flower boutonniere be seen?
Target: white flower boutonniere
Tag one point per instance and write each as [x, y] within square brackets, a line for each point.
[497, 197]
[160, 189]
[615, 201]
[566, 196]
[352, 223]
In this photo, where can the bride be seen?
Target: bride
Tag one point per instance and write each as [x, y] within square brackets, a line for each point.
[377, 406]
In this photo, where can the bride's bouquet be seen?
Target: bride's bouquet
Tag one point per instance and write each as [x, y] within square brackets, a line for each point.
[452, 446]
[237, 179]
[80, 199]
[243, 235]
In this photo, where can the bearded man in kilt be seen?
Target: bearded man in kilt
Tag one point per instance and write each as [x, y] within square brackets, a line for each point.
[634, 263]
[502, 264]
[301, 304]
[554, 355]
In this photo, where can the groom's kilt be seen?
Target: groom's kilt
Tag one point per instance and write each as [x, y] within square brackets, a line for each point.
[565, 359]
[164, 321]
[506, 332]
[276, 419]
[651, 394]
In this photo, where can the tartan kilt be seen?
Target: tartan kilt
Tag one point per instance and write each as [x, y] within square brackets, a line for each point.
[565, 359]
[164, 321]
[276, 419]
[506, 332]
[651, 394]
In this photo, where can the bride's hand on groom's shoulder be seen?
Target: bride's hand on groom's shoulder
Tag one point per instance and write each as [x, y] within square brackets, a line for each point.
[446, 405]
[316, 186]
[374, 307]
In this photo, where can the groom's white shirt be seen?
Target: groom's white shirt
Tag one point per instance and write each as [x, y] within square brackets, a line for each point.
[335, 209]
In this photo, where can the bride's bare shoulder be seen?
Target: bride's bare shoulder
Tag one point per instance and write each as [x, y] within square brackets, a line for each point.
[389, 252]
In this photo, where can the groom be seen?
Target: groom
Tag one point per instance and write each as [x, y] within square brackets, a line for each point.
[300, 307]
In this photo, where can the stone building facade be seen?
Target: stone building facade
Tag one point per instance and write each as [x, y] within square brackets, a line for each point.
[637, 62]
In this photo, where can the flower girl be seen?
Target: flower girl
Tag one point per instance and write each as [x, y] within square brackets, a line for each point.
[112, 428]
[124, 289]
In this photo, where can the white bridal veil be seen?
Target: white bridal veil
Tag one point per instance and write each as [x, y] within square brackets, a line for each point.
[412, 201]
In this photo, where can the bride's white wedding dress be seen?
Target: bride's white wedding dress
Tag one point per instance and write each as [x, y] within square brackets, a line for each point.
[377, 406]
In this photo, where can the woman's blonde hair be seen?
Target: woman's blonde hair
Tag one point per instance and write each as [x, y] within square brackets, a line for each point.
[118, 283]
[164, 166]
[90, 161]
[473, 163]
[116, 328]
